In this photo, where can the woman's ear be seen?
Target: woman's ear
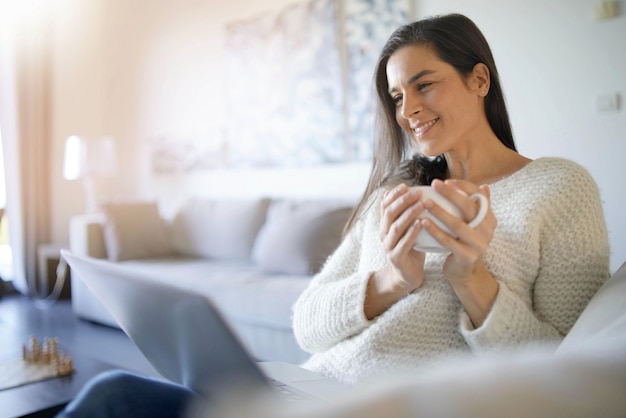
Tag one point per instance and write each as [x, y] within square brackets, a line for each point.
[480, 79]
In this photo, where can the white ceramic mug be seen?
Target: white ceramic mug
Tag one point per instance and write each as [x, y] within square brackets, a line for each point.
[424, 241]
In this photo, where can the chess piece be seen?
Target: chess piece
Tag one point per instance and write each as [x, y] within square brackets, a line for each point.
[55, 366]
[35, 350]
[51, 349]
[49, 355]
[66, 365]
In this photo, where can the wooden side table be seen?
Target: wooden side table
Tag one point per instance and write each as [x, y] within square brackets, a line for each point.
[49, 257]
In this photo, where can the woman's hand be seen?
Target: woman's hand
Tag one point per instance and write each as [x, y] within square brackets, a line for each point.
[399, 226]
[464, 267]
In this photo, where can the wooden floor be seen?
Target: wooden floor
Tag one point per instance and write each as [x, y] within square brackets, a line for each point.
[21, 317]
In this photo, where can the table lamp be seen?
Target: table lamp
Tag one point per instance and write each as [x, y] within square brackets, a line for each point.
[87, 159]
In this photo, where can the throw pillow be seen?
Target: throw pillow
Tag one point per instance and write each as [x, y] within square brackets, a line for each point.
[134, 230]
[218, 228]
[298, 237]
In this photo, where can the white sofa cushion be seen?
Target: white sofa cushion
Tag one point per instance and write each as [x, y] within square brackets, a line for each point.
[298, 236]
[218, 228]
[239, 289]
[604, 318]
[134, 230]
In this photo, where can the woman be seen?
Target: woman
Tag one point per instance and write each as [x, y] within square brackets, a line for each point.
[524, 274]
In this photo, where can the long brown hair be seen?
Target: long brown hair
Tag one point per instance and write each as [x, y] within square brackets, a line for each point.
[457, 41]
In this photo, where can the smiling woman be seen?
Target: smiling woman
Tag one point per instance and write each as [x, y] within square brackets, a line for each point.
[499, 284]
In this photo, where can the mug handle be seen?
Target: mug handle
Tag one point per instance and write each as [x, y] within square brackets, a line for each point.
[482, 211]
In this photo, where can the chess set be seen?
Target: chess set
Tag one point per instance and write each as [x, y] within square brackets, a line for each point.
[39, 361]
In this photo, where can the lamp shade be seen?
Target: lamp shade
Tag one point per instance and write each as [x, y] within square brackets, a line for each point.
[89, 157]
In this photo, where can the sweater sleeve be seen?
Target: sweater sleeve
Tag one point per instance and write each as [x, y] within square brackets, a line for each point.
[573, 264]
[331, 309]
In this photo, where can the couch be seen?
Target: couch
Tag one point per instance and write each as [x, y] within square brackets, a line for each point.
[252, 256]
[584, 377]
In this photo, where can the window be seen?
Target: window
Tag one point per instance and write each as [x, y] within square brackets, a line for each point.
[6, 258]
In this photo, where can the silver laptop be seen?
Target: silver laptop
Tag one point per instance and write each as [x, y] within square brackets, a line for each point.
[185, 338]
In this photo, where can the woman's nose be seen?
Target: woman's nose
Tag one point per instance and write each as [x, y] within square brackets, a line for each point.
[411, 106]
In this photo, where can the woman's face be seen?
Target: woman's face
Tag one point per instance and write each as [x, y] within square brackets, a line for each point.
[435, 106]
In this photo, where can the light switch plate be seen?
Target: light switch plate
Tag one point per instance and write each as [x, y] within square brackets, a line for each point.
[606, 9]
[608, 103]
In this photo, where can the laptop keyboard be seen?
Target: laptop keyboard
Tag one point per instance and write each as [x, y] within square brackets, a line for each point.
[286, 392]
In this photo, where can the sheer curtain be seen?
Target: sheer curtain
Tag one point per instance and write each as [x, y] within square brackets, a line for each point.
[25, 71]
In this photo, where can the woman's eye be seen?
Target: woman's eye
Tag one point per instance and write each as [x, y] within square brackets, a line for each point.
[423, 86]
[397, 100]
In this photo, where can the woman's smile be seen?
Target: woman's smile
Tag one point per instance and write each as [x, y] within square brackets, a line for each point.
[421, 128]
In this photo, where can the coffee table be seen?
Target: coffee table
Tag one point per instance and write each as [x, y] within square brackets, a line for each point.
[44, 398]
[93, 349]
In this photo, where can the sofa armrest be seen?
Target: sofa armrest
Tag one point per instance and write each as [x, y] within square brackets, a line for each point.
[86, 238]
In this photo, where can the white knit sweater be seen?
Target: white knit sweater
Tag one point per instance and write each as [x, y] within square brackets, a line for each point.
[550, 253]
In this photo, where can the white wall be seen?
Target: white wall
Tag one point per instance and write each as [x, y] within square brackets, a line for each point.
[150, 68]
[555, 58]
